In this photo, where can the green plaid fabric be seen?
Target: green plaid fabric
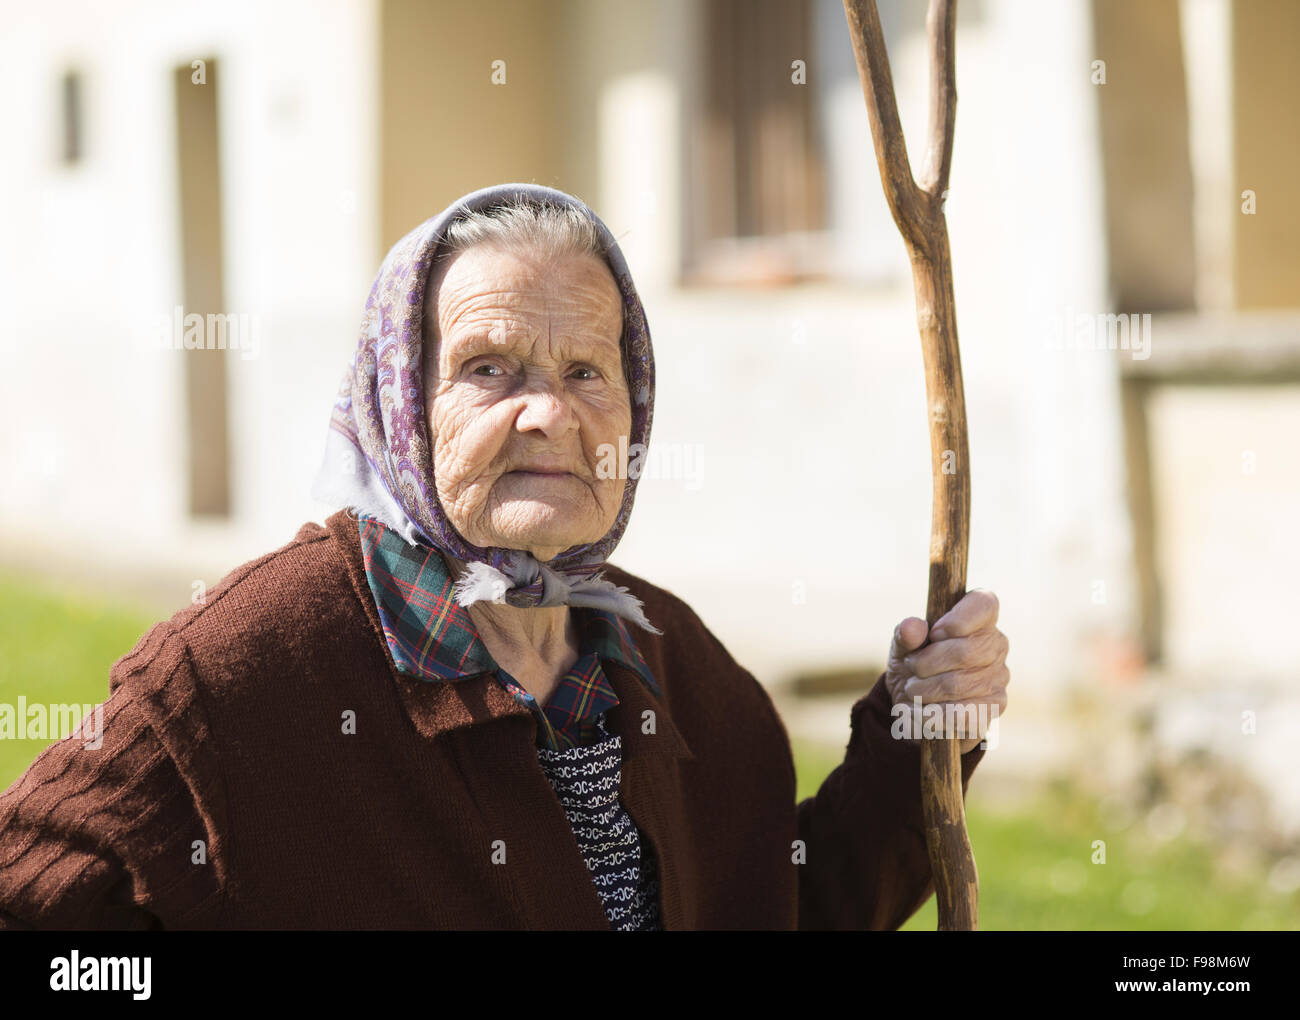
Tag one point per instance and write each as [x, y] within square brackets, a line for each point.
[432, 637]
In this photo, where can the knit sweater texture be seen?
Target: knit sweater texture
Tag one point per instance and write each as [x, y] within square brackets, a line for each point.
[265, 766]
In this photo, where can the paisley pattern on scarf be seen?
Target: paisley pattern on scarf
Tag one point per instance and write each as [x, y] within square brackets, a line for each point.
[384, 464]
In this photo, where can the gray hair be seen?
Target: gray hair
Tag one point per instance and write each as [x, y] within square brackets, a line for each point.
[528, 226]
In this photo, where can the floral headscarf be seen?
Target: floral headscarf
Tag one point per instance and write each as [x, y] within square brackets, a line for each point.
[378, 457]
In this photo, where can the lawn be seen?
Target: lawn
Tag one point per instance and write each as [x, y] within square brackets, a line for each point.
[56, 648]
[1035, 863]
[1036, 871]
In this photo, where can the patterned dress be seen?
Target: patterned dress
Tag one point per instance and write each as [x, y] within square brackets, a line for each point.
[622, 864]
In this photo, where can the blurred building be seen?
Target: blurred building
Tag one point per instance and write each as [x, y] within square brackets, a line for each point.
[1122, 218]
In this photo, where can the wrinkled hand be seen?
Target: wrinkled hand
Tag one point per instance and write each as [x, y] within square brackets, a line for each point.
[965, 663]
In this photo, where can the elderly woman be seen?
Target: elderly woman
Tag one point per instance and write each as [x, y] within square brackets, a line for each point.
[434, 711]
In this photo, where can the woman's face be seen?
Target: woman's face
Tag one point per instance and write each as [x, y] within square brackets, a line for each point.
[523, 381]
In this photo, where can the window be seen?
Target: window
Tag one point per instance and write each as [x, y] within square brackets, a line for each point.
[70, 99]
[757, 190]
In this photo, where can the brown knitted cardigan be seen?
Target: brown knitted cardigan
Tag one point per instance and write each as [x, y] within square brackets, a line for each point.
[264, 765]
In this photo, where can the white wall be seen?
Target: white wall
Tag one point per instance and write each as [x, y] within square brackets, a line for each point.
[93, 418]
[807, 403]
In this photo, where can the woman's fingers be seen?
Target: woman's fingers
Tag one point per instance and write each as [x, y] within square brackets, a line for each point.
[983, 648]
[975, 611]
[909, 635]
[960, 685]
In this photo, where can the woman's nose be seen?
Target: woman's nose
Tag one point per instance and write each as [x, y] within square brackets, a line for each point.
[545, 407]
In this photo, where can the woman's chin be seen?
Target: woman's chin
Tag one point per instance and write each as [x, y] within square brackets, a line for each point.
[548, 529]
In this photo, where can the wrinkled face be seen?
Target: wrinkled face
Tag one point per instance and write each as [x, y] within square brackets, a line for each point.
[524, 386]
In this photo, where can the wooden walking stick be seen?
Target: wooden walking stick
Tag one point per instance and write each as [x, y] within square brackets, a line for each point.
[917, 207]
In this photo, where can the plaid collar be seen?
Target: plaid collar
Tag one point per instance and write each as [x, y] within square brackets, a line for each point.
[432, 637]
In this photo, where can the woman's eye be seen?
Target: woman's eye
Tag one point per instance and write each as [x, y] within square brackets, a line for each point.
[591, 373]
[490, 374]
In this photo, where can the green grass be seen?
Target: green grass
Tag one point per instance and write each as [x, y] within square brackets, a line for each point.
[56, 647]
[1035, 863]
[1036, 871]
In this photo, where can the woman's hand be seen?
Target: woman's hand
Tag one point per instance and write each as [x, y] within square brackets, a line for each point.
[964, 664]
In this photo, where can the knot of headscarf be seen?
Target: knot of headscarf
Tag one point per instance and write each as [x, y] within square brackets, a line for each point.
[378, 457]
